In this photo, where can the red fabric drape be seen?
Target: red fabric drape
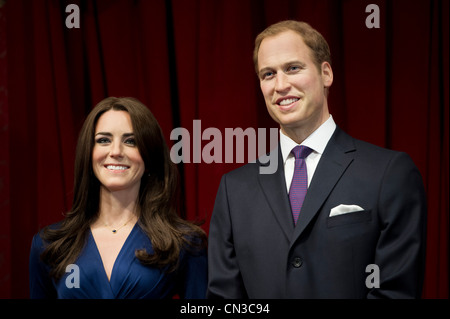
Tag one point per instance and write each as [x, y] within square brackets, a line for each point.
[192, 60]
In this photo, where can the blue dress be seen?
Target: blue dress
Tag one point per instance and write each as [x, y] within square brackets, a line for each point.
[129, 278]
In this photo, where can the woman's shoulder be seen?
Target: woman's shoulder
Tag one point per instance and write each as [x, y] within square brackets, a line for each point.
[38, 238]
[194, 245]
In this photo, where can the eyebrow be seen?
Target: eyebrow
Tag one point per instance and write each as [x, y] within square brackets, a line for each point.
[263, 70]
[110, 134]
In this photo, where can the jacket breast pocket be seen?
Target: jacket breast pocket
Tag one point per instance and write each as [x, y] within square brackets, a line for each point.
[349, 218]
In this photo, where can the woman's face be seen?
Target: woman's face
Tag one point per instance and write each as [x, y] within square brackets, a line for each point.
[116, 160]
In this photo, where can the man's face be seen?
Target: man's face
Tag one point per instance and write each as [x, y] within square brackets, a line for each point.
[293, 87]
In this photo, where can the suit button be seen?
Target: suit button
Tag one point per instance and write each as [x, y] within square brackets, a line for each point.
[297, 262]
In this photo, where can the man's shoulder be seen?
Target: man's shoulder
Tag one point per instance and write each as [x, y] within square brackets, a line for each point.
[244, 171]
[373, 148]
[380, 156]
[366, 147]
[261, 165]
[369, 152]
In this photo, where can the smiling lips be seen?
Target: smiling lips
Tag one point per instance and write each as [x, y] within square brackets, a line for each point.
[116, 168]
[286, 103]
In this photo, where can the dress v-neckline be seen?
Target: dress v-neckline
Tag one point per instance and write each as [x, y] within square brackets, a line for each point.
[117, 257]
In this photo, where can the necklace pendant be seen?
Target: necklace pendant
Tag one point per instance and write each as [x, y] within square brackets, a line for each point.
[114, 231]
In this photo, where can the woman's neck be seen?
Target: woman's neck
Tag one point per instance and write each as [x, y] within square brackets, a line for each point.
[117, 207]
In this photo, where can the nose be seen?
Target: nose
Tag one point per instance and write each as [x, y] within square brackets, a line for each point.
[116, 150]
[282, 82]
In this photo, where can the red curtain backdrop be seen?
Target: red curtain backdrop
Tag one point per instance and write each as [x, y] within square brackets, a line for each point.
[192, 60]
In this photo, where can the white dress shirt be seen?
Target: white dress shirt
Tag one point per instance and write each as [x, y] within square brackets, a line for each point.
[317, 141]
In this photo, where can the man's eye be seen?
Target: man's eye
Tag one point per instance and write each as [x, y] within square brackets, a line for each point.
[267, 75]
[293, 68]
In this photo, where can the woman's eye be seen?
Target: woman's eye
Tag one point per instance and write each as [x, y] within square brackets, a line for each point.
[130, 141]
[102, 140]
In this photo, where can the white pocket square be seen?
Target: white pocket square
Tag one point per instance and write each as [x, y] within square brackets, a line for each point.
[345, 209]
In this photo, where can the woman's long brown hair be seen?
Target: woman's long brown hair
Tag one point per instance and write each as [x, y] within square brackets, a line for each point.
[157, 202]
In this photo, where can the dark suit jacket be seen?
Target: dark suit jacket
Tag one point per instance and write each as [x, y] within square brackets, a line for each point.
[256, 252]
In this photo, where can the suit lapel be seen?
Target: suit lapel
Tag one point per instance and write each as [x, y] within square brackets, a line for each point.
[274, 189]
[334, 161]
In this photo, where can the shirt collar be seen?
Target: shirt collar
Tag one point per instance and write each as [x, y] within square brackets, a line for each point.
[317, 141]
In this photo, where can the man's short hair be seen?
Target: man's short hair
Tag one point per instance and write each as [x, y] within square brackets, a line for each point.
[312, 38]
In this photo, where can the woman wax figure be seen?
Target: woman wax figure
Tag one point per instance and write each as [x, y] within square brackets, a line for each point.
[123, 237]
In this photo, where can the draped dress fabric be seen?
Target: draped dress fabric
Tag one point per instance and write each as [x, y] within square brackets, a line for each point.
[130, 279]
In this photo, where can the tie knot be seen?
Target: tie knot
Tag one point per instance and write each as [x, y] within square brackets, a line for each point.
[301, 151]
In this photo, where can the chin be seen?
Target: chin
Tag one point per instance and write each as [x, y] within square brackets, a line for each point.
[114, 187]
[291, 120]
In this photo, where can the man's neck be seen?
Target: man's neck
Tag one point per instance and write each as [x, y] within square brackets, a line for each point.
[301, 131]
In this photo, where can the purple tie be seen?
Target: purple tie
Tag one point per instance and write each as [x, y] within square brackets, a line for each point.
[299, 184]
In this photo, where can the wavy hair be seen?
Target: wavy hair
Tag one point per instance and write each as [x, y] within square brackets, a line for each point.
[157, 202]
[320, 50]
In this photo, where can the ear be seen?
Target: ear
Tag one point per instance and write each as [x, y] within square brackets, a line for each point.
[327, 74]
